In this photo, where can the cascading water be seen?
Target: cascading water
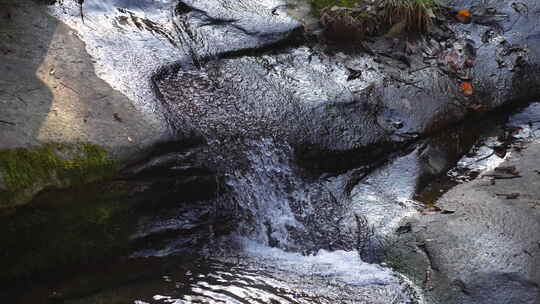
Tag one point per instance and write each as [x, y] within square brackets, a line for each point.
[273, 209]
[265, 191]
[274, 219]
[277, 215]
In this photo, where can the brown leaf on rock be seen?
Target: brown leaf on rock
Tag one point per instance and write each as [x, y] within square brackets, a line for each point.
[464, 16]
[466, 88]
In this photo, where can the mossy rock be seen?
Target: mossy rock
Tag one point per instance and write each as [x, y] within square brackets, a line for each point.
[26, 171]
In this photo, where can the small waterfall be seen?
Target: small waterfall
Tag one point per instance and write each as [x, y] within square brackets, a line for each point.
[285, 223]
[264, 191]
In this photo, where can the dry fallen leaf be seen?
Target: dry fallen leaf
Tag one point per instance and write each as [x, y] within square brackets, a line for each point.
[463, 16]
[466, 88]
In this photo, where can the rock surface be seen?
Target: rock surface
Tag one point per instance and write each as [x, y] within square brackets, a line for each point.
[50, 93]
[485, 248]
[489, 250]
[506, 40]
[362, 102]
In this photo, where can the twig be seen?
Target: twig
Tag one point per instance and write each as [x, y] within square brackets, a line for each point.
[33, 89]
[509, 195]
[81, 2]
[8, 122]
[22, 100]
[498, 176]
[420, 69]
[17, 97]
[403, 81]
[484, 157]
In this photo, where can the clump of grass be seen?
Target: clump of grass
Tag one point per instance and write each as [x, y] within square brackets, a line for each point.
[346, 19]
[414, 15]
[343, 23]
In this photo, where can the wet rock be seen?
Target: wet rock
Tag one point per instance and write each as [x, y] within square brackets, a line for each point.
[324, 112]
[213, 28]
[316, 107]
[506, 42]
[485, 252]
[475, 80]
[329, 115]
[54, 94]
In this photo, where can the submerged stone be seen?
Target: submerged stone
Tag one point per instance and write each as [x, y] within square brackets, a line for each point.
[79, 226]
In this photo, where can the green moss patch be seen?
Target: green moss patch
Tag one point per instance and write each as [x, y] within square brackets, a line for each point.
[24, 172]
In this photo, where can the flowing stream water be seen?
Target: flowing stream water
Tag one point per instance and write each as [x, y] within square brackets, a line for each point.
[248, 265]
[293, 237]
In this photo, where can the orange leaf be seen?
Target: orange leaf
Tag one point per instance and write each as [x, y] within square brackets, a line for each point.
[464, 16]
[464, 13]
[467, 88]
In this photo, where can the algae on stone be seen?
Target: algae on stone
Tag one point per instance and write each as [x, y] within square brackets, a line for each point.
[26, 171]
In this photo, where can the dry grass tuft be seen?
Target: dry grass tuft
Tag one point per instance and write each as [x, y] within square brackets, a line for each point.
[342, 23]
[346, 20]
[415, 15]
